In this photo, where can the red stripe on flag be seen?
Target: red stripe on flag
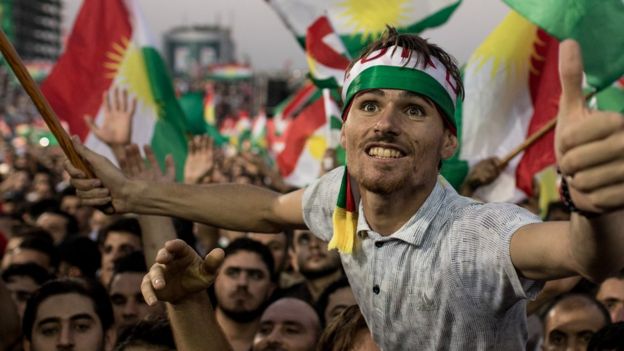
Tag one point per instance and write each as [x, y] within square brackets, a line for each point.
[75, 86]
[318, 49]
[545, 89]
[299, 130]
[299, 100]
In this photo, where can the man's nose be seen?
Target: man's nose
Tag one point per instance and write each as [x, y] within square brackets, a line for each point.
[387, 122]
[130, 308]
[618, 314]
[66, 337]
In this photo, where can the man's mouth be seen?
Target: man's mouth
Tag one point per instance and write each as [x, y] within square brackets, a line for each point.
[384, 152]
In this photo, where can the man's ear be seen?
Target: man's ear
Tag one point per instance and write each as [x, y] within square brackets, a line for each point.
[449, 145]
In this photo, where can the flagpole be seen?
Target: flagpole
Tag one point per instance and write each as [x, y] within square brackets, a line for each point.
[44, 108]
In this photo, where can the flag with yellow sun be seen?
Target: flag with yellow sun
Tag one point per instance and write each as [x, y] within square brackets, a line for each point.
[333, 31]
[110, 46]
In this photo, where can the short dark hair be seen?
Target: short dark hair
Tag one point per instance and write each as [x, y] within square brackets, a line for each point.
[42, 244]
[341, 331]
[323, 300]
[123, 224]
[87, 288]
[72, 224]
[133, 262]
[34, 271]
[83, 253]
[146, 333]
[246, 244]
[610, 337]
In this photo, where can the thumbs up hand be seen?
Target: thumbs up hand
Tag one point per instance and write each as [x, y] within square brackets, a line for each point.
[589, 144]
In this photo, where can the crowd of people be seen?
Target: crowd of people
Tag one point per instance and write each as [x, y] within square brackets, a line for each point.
[85, 266]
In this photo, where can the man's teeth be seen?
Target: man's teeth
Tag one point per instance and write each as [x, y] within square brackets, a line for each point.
[384, 152]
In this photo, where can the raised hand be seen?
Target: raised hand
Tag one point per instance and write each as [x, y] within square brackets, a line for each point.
[589, 143]
[179, 273]
[135, 167]
[483, 173]
[116, 128]
[200, 159]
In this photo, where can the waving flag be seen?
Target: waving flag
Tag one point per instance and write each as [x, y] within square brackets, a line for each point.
[110, 46]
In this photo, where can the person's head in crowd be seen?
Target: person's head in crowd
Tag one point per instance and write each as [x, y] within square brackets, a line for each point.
[557, 211]
[11, 201]
[42, 186]
[312, 259]
[571, 321]
[245, 280]
[22, 280]
[611, 295]
[609, 338]
[68, 314]
[99, 220]
[21, 180]
[18, 234]
[79, 257]
[36, 249]
[124, 290]
[335, 299]
[70, 203]
[33, 210]
[288, 324]
[59, 223]
[347, 332]
[118, 239]
[278, 244]
[146, 335]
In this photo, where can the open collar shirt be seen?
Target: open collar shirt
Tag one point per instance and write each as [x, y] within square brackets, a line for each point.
[444, 280]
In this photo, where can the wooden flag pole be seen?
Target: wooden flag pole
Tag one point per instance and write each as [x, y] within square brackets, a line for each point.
[44, 108]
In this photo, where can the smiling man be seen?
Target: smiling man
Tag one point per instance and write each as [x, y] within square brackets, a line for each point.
[430, 269]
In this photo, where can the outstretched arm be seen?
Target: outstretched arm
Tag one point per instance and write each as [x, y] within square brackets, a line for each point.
[589, 147]
[229, 206]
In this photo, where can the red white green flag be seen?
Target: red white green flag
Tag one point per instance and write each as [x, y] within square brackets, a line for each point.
[110, 46]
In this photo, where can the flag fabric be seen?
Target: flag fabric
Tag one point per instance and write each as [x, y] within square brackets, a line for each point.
[512, 90]
[334, 31]
[596, 25]
[612, 98]
[110, 46]
[259, 132]
[229, 72]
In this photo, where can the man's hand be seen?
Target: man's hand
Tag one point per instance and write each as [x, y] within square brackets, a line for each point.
[134, 167]
[110, 186]
[200, 159]
[116, 128]
[179, 273]
[589, 143]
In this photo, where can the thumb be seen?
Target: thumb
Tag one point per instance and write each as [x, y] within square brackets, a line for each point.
[213, 260]
[85, 152]
[571, 73]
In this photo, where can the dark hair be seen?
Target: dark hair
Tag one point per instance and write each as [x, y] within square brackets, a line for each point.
[133, 262]
[81, 252]
[123, 224]
[42, 244]
[610, 337]
[34, 271]
[72, 224]
[146, 333]
[342, 330]
[588, 298]
[391, 37]
[246, 244]
[323, 300]
[87, 288]
[35, 209]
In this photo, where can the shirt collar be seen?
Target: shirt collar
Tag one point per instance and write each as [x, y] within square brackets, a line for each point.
[413, 231]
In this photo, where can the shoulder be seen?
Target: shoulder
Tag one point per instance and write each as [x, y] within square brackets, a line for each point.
[319, 202]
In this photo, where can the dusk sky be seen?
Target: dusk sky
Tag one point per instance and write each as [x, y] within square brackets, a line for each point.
[260, 35]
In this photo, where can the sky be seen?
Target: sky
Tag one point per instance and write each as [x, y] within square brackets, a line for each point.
[262, 39]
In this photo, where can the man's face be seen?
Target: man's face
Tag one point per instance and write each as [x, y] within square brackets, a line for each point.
[278, 246]
[394, 141]
[55, 224]
[311, 257]
[125, 294]
[243, 284]
[67, 322]
[21, 288]
[571, 328]
[337, 302]
[71, 205]
[116, 245]
[288, 324]
[611, 295]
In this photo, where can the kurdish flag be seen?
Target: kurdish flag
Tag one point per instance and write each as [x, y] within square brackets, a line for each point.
[512, 90]
[598, 26]
[110, 46]
[333, 31]
[612, 98]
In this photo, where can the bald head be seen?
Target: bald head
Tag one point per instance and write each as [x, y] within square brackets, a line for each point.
[289, 324]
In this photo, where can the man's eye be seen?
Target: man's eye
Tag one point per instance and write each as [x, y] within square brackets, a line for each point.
[415, 111]
[293, 330]
[256, 275]
[82, 327]
[118, 300]
[264, 330]
[49, 331]
[369, 106]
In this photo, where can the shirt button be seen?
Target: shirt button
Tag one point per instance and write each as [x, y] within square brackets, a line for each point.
[379, 243]
[376, 289]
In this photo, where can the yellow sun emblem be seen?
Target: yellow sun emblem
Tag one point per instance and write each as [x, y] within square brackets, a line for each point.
[126, 64]
[370, 17]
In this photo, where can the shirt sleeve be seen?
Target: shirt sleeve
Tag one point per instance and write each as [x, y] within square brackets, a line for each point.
[482, 258]
[319, 201]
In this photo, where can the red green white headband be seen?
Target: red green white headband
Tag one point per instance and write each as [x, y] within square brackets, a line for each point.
[395, 68]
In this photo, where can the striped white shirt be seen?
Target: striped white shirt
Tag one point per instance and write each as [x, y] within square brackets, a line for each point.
[444, 281]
